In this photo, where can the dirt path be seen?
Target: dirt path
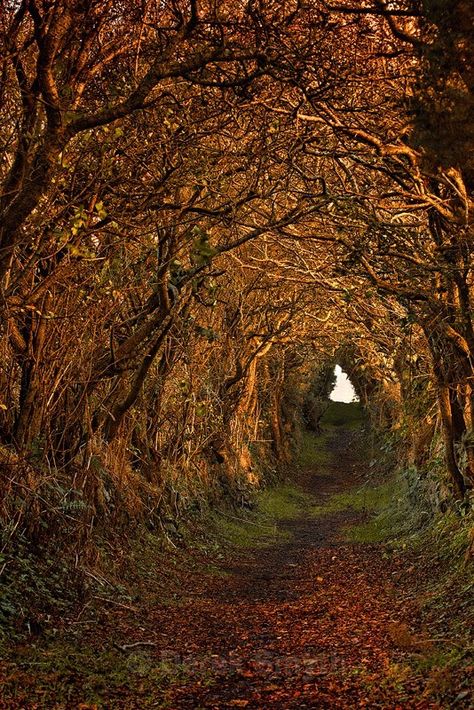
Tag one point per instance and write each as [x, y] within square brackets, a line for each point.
[309, 622]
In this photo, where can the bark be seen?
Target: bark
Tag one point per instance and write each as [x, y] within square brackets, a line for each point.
[34, 186]
[452, 416]
[275, 413]
[450, 436]
[31, 406]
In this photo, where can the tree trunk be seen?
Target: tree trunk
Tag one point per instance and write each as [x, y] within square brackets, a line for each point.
[452, 373]
[127, 398]
[450, 440]
[276, 424]
[31, 405]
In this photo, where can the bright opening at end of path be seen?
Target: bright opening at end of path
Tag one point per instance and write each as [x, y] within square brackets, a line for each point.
[343, 390]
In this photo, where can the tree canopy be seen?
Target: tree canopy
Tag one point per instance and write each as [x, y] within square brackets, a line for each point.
[204, 206]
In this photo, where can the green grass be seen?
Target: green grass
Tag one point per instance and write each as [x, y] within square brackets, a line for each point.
[377, 529]
[312, 450]
[244, 532]
[282, 502]
[260, 528]
[312, 447]
[449, 533]
[383, 502]
[366, 499]
[349, 415]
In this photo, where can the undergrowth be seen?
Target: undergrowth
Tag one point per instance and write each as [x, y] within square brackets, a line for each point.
[87, 677]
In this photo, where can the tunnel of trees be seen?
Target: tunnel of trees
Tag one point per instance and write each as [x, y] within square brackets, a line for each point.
[205, 206]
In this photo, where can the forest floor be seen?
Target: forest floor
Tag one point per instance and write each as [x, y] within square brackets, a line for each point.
[293, 615]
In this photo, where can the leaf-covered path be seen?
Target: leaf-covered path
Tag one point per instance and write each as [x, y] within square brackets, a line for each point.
[308, 621]
[312, 622]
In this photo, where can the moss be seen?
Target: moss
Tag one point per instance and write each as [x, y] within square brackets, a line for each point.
[282, 502]
[312, 450]
[244, 532]
[260, 527]
[364, 499]
[385, 503]
[378, 529]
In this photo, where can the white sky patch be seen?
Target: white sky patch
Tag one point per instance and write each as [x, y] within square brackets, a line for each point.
[343, 390]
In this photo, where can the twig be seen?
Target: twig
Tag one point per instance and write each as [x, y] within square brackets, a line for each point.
[98, 578]
[111, 601]
[126, 646]
[244, 520]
